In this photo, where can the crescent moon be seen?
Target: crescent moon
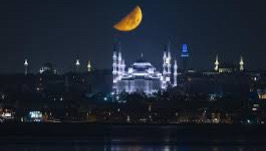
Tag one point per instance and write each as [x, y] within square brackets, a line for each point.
[130, 21]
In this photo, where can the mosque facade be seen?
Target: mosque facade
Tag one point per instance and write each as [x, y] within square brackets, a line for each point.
[142, 76]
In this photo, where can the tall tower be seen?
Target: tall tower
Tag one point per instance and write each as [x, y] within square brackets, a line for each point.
[164, 63]
[123, 66]
[184, 57]
[168, 64]
[26, 64]
[216, 63]
[114, 69]
[116, 65]
[77, 65]
[119, 63]
[175, 73]
[89, 66]
[241, 64]
[163, 85]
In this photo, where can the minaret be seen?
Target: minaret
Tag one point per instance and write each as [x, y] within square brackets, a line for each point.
[164, 63]
[123, 66]
[175, 74]
[119, 66]
[163, 80]
[216, 63]
[116, 66]
[89, 66]
[168, 63]
[241, 64]
[26, 64]
[114, 63]
[77, 65]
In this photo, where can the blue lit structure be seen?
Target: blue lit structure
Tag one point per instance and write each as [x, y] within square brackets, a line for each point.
[184, 57]
[184, 53]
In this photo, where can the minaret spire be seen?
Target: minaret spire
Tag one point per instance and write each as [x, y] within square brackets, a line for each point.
[123, 67]
[163, 85]
[77, 64]
[117, 58]
[89, 66]
[175, 73]
[216, 63]
[164, 62]
[169, 58]
[166, 66]
[241, 64]
[119, 63]
[26, 64]
[168, 63]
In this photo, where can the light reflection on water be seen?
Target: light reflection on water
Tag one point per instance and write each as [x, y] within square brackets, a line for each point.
[73, 147]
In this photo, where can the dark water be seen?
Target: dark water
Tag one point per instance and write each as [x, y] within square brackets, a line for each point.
[84, 137]
[77, 147]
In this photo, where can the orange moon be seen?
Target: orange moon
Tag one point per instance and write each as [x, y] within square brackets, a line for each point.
[131, 21]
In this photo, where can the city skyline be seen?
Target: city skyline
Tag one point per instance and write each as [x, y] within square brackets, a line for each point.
[132, 75]
[179, 64]
[58, 32]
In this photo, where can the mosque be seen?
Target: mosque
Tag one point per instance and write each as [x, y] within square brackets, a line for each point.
[142, 76]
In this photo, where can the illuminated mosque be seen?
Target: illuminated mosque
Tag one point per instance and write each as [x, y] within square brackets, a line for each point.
[142, 76]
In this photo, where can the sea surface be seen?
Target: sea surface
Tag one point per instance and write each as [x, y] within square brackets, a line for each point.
[102, 137]
[76, 147]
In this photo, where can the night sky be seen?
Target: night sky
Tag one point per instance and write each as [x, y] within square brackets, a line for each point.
[57, 31]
